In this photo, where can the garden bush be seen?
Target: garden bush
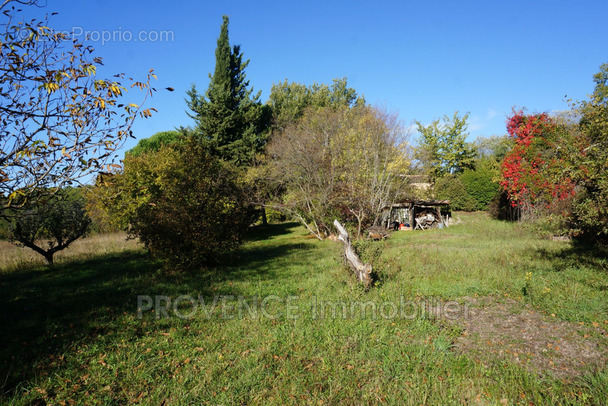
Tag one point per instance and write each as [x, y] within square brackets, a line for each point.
[185, 205]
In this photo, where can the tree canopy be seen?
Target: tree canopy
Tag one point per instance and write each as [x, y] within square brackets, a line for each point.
[589, 166]
[229, 118]
[533, 171]
[341, 163]
[51, 226]
[442, 146]
[185, 205]
[289, 100]
[156, 141]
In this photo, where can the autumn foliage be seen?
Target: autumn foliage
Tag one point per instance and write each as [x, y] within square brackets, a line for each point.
[531, 173]
[60, 120]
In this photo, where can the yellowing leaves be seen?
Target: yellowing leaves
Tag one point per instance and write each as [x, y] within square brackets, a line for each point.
[114, 90]
[15, 194]
[89, 69]
[100, 84]
[49, 87]
[147, 113]
[101, 103]
[51, 94]
[65, 153]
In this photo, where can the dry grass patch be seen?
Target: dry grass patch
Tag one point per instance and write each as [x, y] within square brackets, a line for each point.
[12, 256]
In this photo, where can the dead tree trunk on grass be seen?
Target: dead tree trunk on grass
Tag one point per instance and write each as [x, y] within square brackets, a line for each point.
[363, 272]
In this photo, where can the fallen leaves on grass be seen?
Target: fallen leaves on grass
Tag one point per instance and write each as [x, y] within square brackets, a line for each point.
[538, 341]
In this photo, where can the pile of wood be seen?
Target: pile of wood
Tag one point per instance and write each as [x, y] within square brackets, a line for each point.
[427, 219]
[377, 233]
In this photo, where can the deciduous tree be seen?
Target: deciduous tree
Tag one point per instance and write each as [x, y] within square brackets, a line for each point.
[533, 171]
[341, 163]
[589, 163]
[186, 205]
[156, 141]
[493, 148]
[51, 226]
[289, 101]
[60, 121]
[442, 146]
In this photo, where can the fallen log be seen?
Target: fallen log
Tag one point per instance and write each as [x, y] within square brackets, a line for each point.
[362, 271]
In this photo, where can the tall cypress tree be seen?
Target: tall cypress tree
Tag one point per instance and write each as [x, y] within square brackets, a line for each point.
[229, 118]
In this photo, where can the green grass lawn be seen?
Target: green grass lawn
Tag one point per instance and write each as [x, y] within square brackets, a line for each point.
[72, 335]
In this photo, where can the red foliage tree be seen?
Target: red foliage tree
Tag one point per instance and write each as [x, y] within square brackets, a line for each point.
[532, 173]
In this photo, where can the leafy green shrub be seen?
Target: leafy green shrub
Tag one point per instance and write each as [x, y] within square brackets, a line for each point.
[480, 185]
[550, 225]
[275, 216]
[186, 206]
[588, 221]
[101, 221]
[451, 188]
[589, 168]
[50, 227]
[369, 251]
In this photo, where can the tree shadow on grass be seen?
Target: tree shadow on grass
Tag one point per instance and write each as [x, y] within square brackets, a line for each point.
[47, 311]
[264, 232]
[576, 254]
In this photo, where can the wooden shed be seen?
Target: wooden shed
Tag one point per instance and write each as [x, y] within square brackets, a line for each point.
[416, 214]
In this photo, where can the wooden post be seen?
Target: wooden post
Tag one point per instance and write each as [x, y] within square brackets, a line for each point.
[439, 215]
[412, 225]
[362, 271]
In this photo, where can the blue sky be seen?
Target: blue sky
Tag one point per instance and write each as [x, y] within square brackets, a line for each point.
[419, 59]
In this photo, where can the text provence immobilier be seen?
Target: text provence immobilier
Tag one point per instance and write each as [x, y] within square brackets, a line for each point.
[229, 307]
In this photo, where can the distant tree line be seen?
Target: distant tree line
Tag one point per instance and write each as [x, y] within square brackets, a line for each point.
[311, 153]
[465, 173]
[549, 170]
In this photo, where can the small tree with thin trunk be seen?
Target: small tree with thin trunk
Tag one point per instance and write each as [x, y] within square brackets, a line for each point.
[51, 227]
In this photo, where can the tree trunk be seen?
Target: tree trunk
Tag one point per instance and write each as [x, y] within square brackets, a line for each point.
[264, 219]
[48, 256]
[362, 271]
